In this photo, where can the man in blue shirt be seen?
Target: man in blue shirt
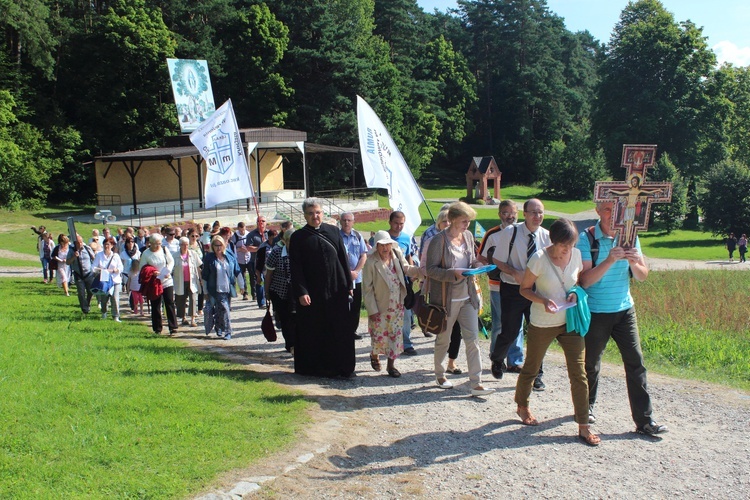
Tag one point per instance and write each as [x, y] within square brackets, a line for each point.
[396, 222]
[356, 253]
[606, 279]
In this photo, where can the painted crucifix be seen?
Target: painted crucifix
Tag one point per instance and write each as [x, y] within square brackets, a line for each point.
[633, 198]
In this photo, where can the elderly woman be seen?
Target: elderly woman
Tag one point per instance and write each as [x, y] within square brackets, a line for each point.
[451, 251]
[554, 270]
[277, 283]
[384, 290]
[155, 255]
[219, 271]
[108, 261]
[187, 277]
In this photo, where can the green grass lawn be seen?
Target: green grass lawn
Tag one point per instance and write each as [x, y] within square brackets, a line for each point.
[99, 409]
[683, 244]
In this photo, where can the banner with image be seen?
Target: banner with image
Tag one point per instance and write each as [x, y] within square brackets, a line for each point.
[219, 143]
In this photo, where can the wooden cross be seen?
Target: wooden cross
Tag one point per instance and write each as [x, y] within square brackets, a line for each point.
[633, 198]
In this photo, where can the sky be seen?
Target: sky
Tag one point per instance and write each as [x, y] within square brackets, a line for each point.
[724, 22]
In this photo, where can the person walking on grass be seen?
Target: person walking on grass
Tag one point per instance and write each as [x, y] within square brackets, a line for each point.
[607, 269]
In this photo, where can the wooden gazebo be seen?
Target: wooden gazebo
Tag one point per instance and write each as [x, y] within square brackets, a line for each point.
[482, 169]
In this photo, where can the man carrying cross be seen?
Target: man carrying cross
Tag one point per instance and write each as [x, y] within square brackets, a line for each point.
[607, 268]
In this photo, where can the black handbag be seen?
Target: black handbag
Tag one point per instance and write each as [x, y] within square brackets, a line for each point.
[410, 298]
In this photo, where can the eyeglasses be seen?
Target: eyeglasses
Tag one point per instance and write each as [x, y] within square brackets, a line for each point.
[507, 214]
[535, 214]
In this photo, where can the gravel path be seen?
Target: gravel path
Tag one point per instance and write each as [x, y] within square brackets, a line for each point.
[375, 436]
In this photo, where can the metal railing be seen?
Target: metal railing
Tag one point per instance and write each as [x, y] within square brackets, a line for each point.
[190, 211]
[290, 211]
[348, 194]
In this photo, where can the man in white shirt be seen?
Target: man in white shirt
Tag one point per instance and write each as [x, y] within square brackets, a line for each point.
[515, 245]
[508, 214]
[356, 252]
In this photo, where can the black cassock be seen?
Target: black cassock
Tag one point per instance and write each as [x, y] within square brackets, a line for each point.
[324, 345]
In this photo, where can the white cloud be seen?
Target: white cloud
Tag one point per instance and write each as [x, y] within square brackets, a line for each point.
[727, 51]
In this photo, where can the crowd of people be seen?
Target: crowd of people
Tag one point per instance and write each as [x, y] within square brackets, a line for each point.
[318, 277]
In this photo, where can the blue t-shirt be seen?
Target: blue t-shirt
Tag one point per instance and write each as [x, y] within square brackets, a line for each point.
[404, 241]
[612, 292]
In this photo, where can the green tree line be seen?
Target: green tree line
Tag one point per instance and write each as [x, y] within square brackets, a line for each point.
[491, 77]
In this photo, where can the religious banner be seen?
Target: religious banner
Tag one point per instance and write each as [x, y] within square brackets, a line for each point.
[633, 198]
[193, 96]
[385, 167]
[219, 143]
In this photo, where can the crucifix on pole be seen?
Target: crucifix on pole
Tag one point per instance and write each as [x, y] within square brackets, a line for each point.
[633, 198]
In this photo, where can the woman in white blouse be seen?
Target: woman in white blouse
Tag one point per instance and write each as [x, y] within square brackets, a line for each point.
[162, 260]
[107, 261]
[554, 270]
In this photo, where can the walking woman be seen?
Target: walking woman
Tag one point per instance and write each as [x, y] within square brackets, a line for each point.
[278, 281]
[63, 269]
[108, 261]
[156, 256]
[384, 290]
[219, 271]
[187, 277]
[742, 244]
[450, 252]
[554, 270]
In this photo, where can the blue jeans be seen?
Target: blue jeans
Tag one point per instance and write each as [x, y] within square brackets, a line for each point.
[515, 352]
[407, 329]
[45, 268]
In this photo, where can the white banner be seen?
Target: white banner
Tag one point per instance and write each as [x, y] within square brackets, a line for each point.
[219, 143]
[385, 167]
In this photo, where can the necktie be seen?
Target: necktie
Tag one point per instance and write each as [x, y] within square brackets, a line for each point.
[532, 246]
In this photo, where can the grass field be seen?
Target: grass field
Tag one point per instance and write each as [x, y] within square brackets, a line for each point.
[103, 410]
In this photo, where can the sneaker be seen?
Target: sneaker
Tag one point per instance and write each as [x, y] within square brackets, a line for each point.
[538, 384]
[104, 315]
[228, 336]
[592, 417]
[117, 318]
[497, 370]
[410, 351]
[244, 296]
[651, 429]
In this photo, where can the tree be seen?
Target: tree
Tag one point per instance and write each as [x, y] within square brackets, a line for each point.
[670, 216]
[652, 88]
[570, 170]
[726, 201]
[27, 159]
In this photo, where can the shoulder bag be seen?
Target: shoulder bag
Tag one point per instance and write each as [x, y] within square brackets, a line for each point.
[578, 318]
[430, 317]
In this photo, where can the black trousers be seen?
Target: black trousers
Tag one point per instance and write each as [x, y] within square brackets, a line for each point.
[354, 309]
[455, 344]
[284, 310]
[157, 321]
[513, 309]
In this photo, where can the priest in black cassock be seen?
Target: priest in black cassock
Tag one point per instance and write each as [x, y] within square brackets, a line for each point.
[322, 285]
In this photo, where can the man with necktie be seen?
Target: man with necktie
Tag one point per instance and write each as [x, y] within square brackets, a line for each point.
[516, 244]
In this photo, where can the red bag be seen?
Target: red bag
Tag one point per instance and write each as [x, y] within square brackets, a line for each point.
[269, 332]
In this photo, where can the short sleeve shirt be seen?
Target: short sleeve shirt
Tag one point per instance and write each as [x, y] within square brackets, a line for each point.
[611, 293]
[516, 258]
[355, 247]
[548, 285]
